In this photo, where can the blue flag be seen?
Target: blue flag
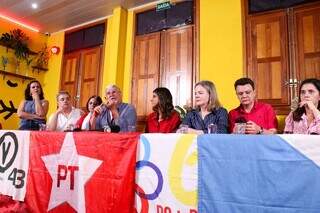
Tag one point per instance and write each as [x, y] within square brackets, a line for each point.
[259, 174]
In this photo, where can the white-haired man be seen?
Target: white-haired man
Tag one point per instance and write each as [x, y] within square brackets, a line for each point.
[114, 112]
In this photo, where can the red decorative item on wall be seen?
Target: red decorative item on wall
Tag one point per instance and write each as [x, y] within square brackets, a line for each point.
[55, 50]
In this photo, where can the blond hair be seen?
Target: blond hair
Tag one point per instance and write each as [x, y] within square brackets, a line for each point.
[213, 102]
[62, 93]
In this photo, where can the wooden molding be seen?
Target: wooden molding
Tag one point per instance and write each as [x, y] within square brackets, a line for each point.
[23, 77]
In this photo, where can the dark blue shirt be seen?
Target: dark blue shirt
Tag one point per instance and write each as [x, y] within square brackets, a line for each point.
[218, 116]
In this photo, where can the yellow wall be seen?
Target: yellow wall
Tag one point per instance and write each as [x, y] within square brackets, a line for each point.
[52, 77]
[16, 94]
[128, 57]
[221, 56]
[113, 71]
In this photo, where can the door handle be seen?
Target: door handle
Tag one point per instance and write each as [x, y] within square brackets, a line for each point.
[292, 82]
[294, 99]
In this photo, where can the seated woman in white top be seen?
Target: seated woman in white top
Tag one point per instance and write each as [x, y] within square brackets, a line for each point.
[66, 116]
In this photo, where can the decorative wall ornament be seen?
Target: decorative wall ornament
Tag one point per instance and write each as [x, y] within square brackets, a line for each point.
[11, 84]
[10, 109]
[55, 50]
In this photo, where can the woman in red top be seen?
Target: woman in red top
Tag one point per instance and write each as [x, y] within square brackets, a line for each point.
[164, 119]
[83, 122]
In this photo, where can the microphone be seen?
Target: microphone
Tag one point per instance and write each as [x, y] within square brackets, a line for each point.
[115, 128]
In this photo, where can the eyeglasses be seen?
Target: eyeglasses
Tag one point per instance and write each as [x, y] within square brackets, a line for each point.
[33, 87]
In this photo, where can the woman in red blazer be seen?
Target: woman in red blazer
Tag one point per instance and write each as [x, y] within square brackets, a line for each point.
[163, 119]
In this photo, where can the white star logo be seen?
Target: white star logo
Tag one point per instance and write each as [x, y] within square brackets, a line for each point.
[69, 172]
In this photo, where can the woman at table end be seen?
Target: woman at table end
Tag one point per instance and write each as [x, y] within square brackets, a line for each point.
[306, 118]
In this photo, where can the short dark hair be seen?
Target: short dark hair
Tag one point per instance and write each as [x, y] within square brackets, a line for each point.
[243, 81]
[28, 96]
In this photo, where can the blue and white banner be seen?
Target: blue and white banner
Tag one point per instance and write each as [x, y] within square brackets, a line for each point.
[166, 179]
[14, 163]
[250, 174]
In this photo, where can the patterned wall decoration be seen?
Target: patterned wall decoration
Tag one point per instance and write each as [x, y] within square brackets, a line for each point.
[10, 109]
[11, 84]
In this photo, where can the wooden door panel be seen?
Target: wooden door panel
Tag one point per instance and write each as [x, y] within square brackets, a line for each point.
[268, 73]
[145, 77]
[90, 74]
[88, 89]
[145, 88]
[141, 101]
[80, 76]
[267, 61]
[69, 74]
[146, 71]
[311, 68]
[268, 40]
[176, 82]
[308, 40]
[172, 53]
[178, 64]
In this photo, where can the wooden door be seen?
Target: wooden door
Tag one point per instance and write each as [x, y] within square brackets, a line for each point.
[267, 58]
[80, 74]
[177, 66]
[145, 76]
[308, 42]
[89, 75]
[70, 72]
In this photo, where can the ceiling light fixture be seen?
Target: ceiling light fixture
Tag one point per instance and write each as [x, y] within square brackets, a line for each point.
[19, 23]
[34, 5]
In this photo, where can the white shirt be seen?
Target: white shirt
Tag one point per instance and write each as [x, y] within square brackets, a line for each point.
[86, 122]
[64, 121]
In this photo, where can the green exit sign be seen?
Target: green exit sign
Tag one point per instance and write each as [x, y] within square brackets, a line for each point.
[163, 6]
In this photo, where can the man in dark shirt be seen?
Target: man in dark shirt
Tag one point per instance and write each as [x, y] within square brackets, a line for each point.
[260, 118]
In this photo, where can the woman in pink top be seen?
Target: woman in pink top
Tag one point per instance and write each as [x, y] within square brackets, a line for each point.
[306, 118]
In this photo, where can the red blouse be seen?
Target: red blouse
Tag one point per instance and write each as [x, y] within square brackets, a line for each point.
[170, 124]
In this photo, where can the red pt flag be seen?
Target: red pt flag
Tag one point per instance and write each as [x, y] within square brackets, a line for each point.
[81, 172]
